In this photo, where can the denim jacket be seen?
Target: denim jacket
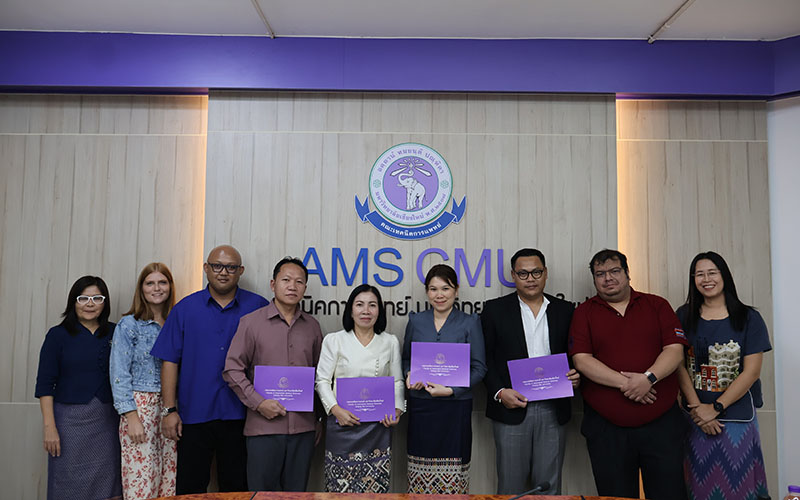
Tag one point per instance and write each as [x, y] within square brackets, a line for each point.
[132, 368]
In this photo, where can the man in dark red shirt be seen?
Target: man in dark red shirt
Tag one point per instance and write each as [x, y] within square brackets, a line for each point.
[627, 346]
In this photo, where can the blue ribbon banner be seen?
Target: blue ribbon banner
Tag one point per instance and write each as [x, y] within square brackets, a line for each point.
[410, 233]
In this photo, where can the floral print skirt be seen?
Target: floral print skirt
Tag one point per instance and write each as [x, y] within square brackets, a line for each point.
[148, 469]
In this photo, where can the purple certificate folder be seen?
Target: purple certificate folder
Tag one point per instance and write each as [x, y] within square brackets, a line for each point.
[541, 378]
[440, 362]
[291, 386]
[368, 398]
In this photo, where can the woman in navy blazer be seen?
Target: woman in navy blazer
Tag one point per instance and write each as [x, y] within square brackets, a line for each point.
[80, 423]
[439, 424]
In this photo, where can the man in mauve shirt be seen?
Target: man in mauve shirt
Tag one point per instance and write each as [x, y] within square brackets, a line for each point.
[627, 345]
[280, 443]
[200, 411]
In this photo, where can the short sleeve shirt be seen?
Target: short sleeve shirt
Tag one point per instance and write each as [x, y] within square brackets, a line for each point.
[628, 343]
[197, 335]
[753, 339]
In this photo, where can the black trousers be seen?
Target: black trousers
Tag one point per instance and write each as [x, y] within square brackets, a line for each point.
[617, 454]
[196, 449]
[279, 462]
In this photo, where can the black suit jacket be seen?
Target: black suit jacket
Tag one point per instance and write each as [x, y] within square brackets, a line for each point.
[501, 320]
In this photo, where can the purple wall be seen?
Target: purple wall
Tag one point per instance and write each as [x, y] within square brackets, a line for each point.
[787, 66]
[122, 62]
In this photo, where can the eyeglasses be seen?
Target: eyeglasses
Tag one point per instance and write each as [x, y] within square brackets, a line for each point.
[711, 273]
[614, 272]
[94, 299]
[523, 273]
[218, 267]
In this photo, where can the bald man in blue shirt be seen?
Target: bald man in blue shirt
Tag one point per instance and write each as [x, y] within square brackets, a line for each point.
[200, 410]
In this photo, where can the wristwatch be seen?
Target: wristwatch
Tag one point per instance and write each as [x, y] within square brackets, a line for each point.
[167, 411]
[651, 377]
[718, 407]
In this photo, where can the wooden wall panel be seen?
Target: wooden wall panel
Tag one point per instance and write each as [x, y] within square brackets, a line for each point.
[284, 168]
[693, 177]
[104, 184]
[90, 185]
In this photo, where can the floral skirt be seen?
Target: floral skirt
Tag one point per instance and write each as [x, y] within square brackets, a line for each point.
[148, 469]
[357, 459]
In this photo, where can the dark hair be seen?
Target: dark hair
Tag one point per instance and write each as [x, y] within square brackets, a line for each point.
[70, 321]
[289, 260]
[347, 318]
[605, 255]
[443, 272]
[527, 252]
[737, 311]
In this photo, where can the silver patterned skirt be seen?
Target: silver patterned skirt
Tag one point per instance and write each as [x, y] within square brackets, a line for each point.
[89, 465]
[357, 459]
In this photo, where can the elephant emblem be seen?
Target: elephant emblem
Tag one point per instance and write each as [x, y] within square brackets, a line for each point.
[415, 191]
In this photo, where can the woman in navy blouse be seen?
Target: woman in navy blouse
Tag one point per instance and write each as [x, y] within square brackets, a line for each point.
[80, 423]
[439, 417]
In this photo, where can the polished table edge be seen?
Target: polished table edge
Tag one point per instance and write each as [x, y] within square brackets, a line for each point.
[286, 495]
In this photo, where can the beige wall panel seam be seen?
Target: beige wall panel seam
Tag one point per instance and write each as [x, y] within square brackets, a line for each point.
[723, 141]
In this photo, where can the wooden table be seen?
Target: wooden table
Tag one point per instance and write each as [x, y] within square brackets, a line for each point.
[276, 495]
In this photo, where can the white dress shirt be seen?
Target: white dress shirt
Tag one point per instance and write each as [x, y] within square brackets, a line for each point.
[537, 333]
[343, 356]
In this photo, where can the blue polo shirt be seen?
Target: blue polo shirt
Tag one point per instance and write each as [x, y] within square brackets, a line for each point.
[197, 335]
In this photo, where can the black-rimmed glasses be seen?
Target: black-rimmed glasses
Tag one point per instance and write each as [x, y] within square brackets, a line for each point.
[524, 273]
[218, 267]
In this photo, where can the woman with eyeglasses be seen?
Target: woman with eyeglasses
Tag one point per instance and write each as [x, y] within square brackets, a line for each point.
[358, 456]
[720, 385]
[439, 417]
[80, 423]
[148, 458]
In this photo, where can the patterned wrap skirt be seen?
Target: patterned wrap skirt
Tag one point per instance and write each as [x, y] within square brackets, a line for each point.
[726, 466]
[357, 459]
[89, 465]
[439, 445]
[148, 469]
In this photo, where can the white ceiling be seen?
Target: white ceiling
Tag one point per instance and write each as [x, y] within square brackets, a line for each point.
[619, 19]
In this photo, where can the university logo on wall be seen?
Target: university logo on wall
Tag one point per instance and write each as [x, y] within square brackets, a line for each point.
[410, 186]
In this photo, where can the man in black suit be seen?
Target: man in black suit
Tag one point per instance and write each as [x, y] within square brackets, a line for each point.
[529, 436]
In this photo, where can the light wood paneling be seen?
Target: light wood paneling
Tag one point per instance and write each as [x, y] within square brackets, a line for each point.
[693, 177]
[23, 464]
[88, 185]
[284, 168]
